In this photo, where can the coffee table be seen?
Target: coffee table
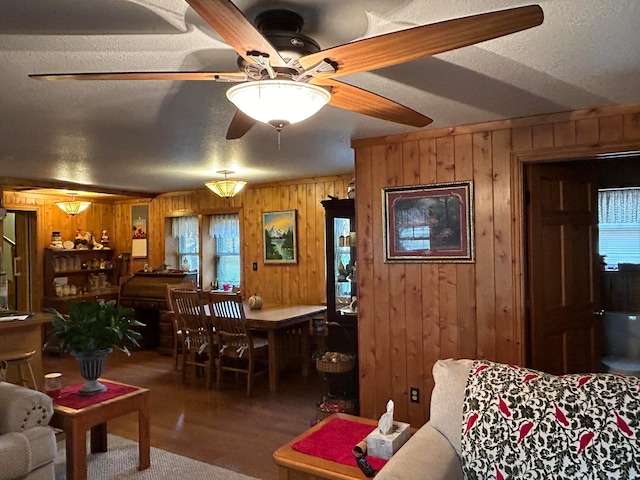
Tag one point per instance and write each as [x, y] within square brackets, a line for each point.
[295, 465]
[93, 413]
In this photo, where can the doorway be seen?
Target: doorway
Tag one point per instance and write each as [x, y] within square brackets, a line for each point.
[563, 317]
[19, 258]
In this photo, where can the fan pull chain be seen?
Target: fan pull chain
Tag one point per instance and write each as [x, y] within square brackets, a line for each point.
[279, 140]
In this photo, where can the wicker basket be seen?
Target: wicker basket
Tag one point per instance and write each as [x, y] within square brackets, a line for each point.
[335, 367]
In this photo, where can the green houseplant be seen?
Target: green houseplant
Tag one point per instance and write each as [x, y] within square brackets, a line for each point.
[91, 331]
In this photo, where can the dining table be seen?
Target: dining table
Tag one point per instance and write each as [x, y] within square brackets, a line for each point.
[284, 326]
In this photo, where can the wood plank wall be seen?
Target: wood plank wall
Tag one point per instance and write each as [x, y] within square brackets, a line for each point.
[410, 315]
[301, 283]
[50, 218]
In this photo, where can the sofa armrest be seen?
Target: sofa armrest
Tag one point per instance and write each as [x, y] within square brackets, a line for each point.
[22, 408]
[427, 455]
[15, 456]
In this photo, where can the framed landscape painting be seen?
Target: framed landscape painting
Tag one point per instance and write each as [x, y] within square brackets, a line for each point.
[280, 236]
[429, 223]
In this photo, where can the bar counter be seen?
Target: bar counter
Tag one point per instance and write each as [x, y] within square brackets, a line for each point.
[25, 335]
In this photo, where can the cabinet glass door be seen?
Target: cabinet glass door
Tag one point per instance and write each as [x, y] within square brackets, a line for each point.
[344, 267]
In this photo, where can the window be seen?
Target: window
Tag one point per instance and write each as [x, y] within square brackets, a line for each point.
[225, 231]
[619, 226]
[185, 231]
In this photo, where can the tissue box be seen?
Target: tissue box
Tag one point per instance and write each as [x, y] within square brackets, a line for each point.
[384, 446]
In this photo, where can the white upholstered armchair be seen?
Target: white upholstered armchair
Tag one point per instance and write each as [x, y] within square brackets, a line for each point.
[27, 442]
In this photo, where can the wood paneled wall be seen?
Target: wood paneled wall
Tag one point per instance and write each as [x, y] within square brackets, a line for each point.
[300, 283]
[412, 314]
[49, 218]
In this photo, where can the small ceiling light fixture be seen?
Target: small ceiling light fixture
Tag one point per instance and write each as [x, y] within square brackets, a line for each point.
[278, 102]
[73, 207]
[226, 188]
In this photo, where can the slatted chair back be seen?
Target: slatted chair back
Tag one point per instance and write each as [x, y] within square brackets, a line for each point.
[198, 347]
[175, 320]
[189, 308]
[235, 339]
[230, 323]
[175, 286]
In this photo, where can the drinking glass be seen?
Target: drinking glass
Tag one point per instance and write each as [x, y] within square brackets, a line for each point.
[53, 384]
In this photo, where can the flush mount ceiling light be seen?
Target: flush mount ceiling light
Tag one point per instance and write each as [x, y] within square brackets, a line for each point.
[278, 102]
[73, 206]
[225, 188]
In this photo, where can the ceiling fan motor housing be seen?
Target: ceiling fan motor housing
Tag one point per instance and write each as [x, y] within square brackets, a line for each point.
[282, 29]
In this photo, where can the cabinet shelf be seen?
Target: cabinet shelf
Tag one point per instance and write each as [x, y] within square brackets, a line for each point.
[104, 293]
[69, 263]
[64, 273]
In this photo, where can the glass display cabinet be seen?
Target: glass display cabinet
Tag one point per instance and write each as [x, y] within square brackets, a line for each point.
[342, 312]
[342, 285]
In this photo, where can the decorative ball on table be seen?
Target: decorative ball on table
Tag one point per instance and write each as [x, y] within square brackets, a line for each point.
[255, 302]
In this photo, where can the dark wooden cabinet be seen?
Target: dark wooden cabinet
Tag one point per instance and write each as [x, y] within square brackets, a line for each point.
[146, 293]
[165, 332]
[342, 292]
[621, 291]
[342, 284]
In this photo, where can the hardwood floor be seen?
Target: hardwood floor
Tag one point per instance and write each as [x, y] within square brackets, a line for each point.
[223, 428]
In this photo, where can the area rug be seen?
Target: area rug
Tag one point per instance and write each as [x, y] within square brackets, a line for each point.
[121, 462]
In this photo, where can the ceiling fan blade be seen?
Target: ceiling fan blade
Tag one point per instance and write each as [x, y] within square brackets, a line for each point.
[240, 124]
[362, 101]
[220, 76]
[231, 24]
[423, 41]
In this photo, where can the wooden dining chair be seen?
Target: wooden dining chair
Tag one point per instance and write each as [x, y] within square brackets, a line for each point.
[198, 346]
[239, 350]
[177, 327]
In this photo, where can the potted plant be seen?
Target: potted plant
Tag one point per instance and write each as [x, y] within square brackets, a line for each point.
[91, 331]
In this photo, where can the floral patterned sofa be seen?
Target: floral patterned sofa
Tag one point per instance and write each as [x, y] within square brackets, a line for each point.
[497, 421]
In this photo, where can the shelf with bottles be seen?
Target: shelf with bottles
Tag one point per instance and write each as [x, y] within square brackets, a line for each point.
[105, 293]
[78, 274]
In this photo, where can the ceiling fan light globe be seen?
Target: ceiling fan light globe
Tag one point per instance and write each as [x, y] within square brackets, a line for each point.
[282, 101]
[226, 188]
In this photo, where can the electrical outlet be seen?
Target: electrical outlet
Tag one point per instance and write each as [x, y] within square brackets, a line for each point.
[255, 266]
[414, 393]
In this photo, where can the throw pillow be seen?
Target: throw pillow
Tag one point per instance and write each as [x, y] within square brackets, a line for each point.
[522, 423]
[450, 378]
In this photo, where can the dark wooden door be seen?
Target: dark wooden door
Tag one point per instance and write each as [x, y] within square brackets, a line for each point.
[564, 330]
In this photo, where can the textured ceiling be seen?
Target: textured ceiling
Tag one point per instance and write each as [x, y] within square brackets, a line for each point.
[163, 136]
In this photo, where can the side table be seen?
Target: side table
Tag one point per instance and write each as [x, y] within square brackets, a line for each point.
[295, 465]
[93, 413]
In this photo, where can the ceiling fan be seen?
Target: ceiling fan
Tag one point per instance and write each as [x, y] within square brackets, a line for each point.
[276, 59]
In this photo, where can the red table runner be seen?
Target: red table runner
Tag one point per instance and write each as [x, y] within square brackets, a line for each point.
[335, 441]
[70, 398]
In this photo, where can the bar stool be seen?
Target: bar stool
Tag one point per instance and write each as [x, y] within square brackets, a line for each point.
[21, 360]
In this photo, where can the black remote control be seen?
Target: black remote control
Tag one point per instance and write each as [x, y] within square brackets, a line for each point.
[365, 466]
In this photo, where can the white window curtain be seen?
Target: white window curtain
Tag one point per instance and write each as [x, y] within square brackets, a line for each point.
[186, 227]
[224, 226]
[619, 205]
[619, 226]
